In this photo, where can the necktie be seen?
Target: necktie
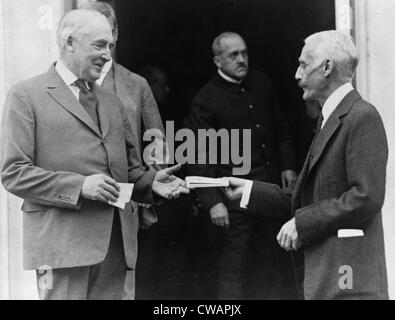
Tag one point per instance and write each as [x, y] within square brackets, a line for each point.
[315, 141]
[319, 122]
[89, 100]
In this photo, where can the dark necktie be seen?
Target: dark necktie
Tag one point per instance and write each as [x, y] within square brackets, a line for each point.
[316, 139]
[89, 100]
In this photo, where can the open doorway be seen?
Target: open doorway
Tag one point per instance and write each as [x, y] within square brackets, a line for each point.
[176, 35]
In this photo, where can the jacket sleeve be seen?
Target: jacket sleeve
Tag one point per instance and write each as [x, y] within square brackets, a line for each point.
[19, 173]
[366, 159]
[200, 117]
[269, 200]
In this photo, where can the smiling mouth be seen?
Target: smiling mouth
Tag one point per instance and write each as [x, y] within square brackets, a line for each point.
[99, 67]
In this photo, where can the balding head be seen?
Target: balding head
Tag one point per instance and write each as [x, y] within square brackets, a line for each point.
[230, 55]
[78, 23]
[218, 41]
[85, 39]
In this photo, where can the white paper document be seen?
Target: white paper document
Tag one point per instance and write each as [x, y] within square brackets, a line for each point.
[125, 195]
[204, 182]
[349, 233]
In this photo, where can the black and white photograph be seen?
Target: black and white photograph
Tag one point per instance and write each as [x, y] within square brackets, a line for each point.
[183, 151]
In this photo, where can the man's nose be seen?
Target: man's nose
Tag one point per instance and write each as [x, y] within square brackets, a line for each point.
[241, 58]
[298, 75]
[106, 54]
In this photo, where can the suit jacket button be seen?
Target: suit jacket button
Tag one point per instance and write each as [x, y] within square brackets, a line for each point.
[264, 146]
[268, 163]
[258, 126]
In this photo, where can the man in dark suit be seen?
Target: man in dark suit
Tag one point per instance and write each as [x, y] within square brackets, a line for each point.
[239, 98]
[67, 146]
[340, 191]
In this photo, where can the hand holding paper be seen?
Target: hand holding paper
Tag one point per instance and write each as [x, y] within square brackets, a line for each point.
[235, 188]
[125, 195]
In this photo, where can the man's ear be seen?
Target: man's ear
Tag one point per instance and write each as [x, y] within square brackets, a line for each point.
[329, 67]
[217, 61]
[69, 44]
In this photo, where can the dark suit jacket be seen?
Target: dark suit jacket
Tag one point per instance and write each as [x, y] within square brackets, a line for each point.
[50, 145]
[341, 186]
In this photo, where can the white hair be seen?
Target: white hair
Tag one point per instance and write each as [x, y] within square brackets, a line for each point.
[338, 46]
[72, 24]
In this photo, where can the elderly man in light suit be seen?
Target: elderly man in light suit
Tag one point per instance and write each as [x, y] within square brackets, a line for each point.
[67, 146]
[337, 200]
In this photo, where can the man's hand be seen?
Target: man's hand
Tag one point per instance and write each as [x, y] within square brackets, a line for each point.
[219, 215]
[288, 178]
[168, 186]
[288, 236]
[235, 189]
[101, 188]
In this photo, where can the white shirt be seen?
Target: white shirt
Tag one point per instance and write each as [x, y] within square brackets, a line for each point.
[334, 100]
[227, 78]
[68, 77]
[105, 70]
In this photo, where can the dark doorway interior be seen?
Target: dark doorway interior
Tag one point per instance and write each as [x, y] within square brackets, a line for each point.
[176, 35]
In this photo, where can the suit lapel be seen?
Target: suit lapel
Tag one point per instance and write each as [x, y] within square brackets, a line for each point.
[58, 90]
[331, 126]
[323, 137]
[301, 180]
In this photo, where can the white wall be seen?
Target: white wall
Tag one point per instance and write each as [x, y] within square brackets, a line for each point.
[27, 47]
[375, 35]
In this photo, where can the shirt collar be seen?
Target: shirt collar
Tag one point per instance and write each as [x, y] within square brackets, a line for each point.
[334, 100]
[67, 76]
[105, 70]
[227, 78]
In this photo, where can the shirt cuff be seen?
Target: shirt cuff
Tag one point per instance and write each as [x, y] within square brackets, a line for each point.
[245, 198]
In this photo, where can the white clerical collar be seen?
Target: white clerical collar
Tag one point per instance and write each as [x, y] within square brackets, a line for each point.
[106, 68]
[334, 100]
[65, 73]
[227, 78]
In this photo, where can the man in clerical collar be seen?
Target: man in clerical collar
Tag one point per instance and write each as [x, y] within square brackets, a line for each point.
[240, 98]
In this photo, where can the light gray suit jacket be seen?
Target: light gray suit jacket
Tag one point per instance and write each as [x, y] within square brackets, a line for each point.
[50, 145]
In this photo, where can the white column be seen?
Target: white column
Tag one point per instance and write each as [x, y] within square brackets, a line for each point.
[27, 47]
[4, 251]
[375, 38]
